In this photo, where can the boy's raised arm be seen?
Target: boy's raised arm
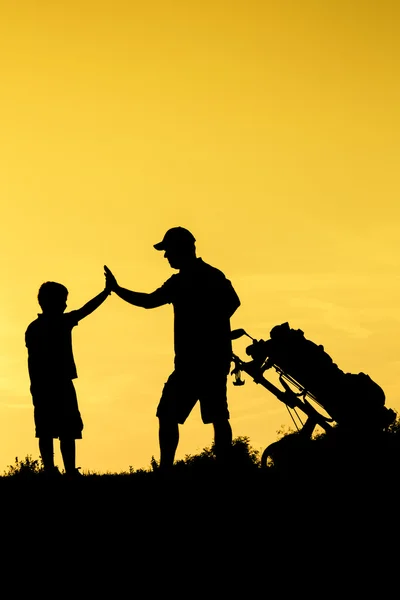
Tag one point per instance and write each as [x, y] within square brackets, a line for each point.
[94, 303]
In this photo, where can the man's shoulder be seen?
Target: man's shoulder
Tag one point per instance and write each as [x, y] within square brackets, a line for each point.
[209, 270]
[216, 280]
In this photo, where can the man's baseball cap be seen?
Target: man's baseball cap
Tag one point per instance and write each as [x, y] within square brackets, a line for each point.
[175, 237]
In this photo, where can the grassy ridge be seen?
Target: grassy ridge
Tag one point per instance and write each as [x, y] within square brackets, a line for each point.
[351, 465]
[329, 508]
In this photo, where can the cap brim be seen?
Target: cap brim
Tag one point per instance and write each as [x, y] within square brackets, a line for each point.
[159, 246]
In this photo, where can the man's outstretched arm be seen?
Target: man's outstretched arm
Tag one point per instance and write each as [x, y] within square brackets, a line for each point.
[138, 298]
[152, 300]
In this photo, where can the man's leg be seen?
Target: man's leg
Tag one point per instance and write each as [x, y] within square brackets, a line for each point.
[46, 448]
[67, 447]
[223, 440]
[169, 439]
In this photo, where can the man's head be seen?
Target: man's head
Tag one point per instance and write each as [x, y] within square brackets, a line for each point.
[178, 245]
[52, 297]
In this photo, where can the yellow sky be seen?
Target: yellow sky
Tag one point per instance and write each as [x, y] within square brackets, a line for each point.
[270, 129]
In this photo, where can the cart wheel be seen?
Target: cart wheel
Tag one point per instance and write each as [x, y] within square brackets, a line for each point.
[286, 452]
[269, 456]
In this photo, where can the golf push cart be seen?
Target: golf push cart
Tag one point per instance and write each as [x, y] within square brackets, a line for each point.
[312, 383]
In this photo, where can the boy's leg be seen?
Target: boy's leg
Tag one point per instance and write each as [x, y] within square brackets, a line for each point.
[46, 448]
[68, 453]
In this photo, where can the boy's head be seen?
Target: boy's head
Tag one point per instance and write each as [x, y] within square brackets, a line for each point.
[52, 297]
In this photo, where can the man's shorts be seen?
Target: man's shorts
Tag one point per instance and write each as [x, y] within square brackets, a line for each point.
[56, 410]
[183, 390]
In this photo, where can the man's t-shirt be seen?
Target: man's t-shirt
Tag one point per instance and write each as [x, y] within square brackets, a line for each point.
[204, 301]
[49, 343]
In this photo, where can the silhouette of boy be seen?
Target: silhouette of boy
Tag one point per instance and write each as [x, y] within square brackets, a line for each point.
[204, 301]
[52, 369]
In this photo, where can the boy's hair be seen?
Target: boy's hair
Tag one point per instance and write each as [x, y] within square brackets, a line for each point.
[51, 293]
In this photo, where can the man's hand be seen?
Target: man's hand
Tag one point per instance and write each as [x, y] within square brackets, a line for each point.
[111, 282]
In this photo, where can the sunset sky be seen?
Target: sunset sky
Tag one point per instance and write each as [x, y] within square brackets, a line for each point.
[270, 129]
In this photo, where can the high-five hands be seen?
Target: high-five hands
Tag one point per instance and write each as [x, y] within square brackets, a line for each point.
[111, 282]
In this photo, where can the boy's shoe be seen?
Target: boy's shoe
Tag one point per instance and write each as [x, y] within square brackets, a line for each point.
[52, 473]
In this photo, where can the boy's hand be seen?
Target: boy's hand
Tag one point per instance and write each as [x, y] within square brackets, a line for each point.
[111, 282]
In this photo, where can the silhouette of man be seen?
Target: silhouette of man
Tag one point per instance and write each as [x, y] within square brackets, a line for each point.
[204, 301]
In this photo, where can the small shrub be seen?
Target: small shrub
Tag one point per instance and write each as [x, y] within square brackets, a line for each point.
[24, 468]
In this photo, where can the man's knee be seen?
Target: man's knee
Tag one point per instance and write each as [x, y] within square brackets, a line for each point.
[166, 424]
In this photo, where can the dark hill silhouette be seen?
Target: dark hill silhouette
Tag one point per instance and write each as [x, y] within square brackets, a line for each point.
[319, 516]
[322, 461]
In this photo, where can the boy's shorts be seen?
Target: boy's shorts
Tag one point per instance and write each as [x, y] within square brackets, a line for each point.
[183, 390]
[56, 410]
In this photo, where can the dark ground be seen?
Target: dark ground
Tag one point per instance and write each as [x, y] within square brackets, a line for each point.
[309, 526]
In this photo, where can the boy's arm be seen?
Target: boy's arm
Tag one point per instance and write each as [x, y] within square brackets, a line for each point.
[152, 300]
[91, 306]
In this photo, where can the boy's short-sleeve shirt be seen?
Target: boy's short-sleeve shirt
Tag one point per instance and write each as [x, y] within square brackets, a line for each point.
[203, 300]
[49, 343]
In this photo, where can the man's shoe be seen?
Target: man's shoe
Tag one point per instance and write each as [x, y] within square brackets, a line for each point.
[75, 474]
[52, 473]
